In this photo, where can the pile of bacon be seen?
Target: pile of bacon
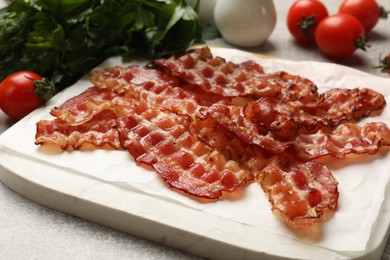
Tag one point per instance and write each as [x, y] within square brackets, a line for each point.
[209, 127]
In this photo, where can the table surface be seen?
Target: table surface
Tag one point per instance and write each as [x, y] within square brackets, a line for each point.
[29, 230]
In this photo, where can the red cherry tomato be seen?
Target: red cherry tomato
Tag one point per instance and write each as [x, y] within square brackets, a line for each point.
[367, 12]
[340, 35]
[303, 18]
[17, 97]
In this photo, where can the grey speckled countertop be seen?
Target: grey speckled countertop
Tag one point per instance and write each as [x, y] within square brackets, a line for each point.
[31, 231]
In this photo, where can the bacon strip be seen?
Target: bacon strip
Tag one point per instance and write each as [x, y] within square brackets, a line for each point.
[133, 79]
[84, 107]
[232, 118]
[213, 74]
[98, 131]
[301, 193]
[159, 89]
[349, 104]
[286, 119]
[345, 139]
[162, 140]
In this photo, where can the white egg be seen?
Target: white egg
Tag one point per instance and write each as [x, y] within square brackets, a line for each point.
[245, 23]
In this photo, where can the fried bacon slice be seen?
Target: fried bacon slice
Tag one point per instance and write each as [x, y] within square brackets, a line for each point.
[302, 193]
[112, 87]
[120, 86]
[84, 107]
[349, 104]
[159, 89]
[162, 140]
[345, 139]
[285, 119]
[233, 119]
[201, 69]
[215, 75]
[98, 131]
[134, 79]
[217, 137]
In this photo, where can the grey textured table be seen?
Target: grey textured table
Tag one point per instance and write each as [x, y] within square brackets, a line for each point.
[31, 231]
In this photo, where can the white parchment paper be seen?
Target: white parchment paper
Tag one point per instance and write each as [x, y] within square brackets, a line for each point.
[362, 179]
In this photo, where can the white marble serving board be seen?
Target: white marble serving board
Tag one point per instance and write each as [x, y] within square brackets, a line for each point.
[72, 187]
[159, 220]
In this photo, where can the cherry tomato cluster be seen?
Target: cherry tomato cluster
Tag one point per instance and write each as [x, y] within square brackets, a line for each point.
[337, 35]
[22, 92]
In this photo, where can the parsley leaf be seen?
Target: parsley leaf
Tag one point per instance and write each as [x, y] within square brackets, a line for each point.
[64, 39]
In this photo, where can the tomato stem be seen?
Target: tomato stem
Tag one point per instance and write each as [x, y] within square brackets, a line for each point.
[384, 64]
[44, 89]
[362, 43]
[383, 12]
[306, 24]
